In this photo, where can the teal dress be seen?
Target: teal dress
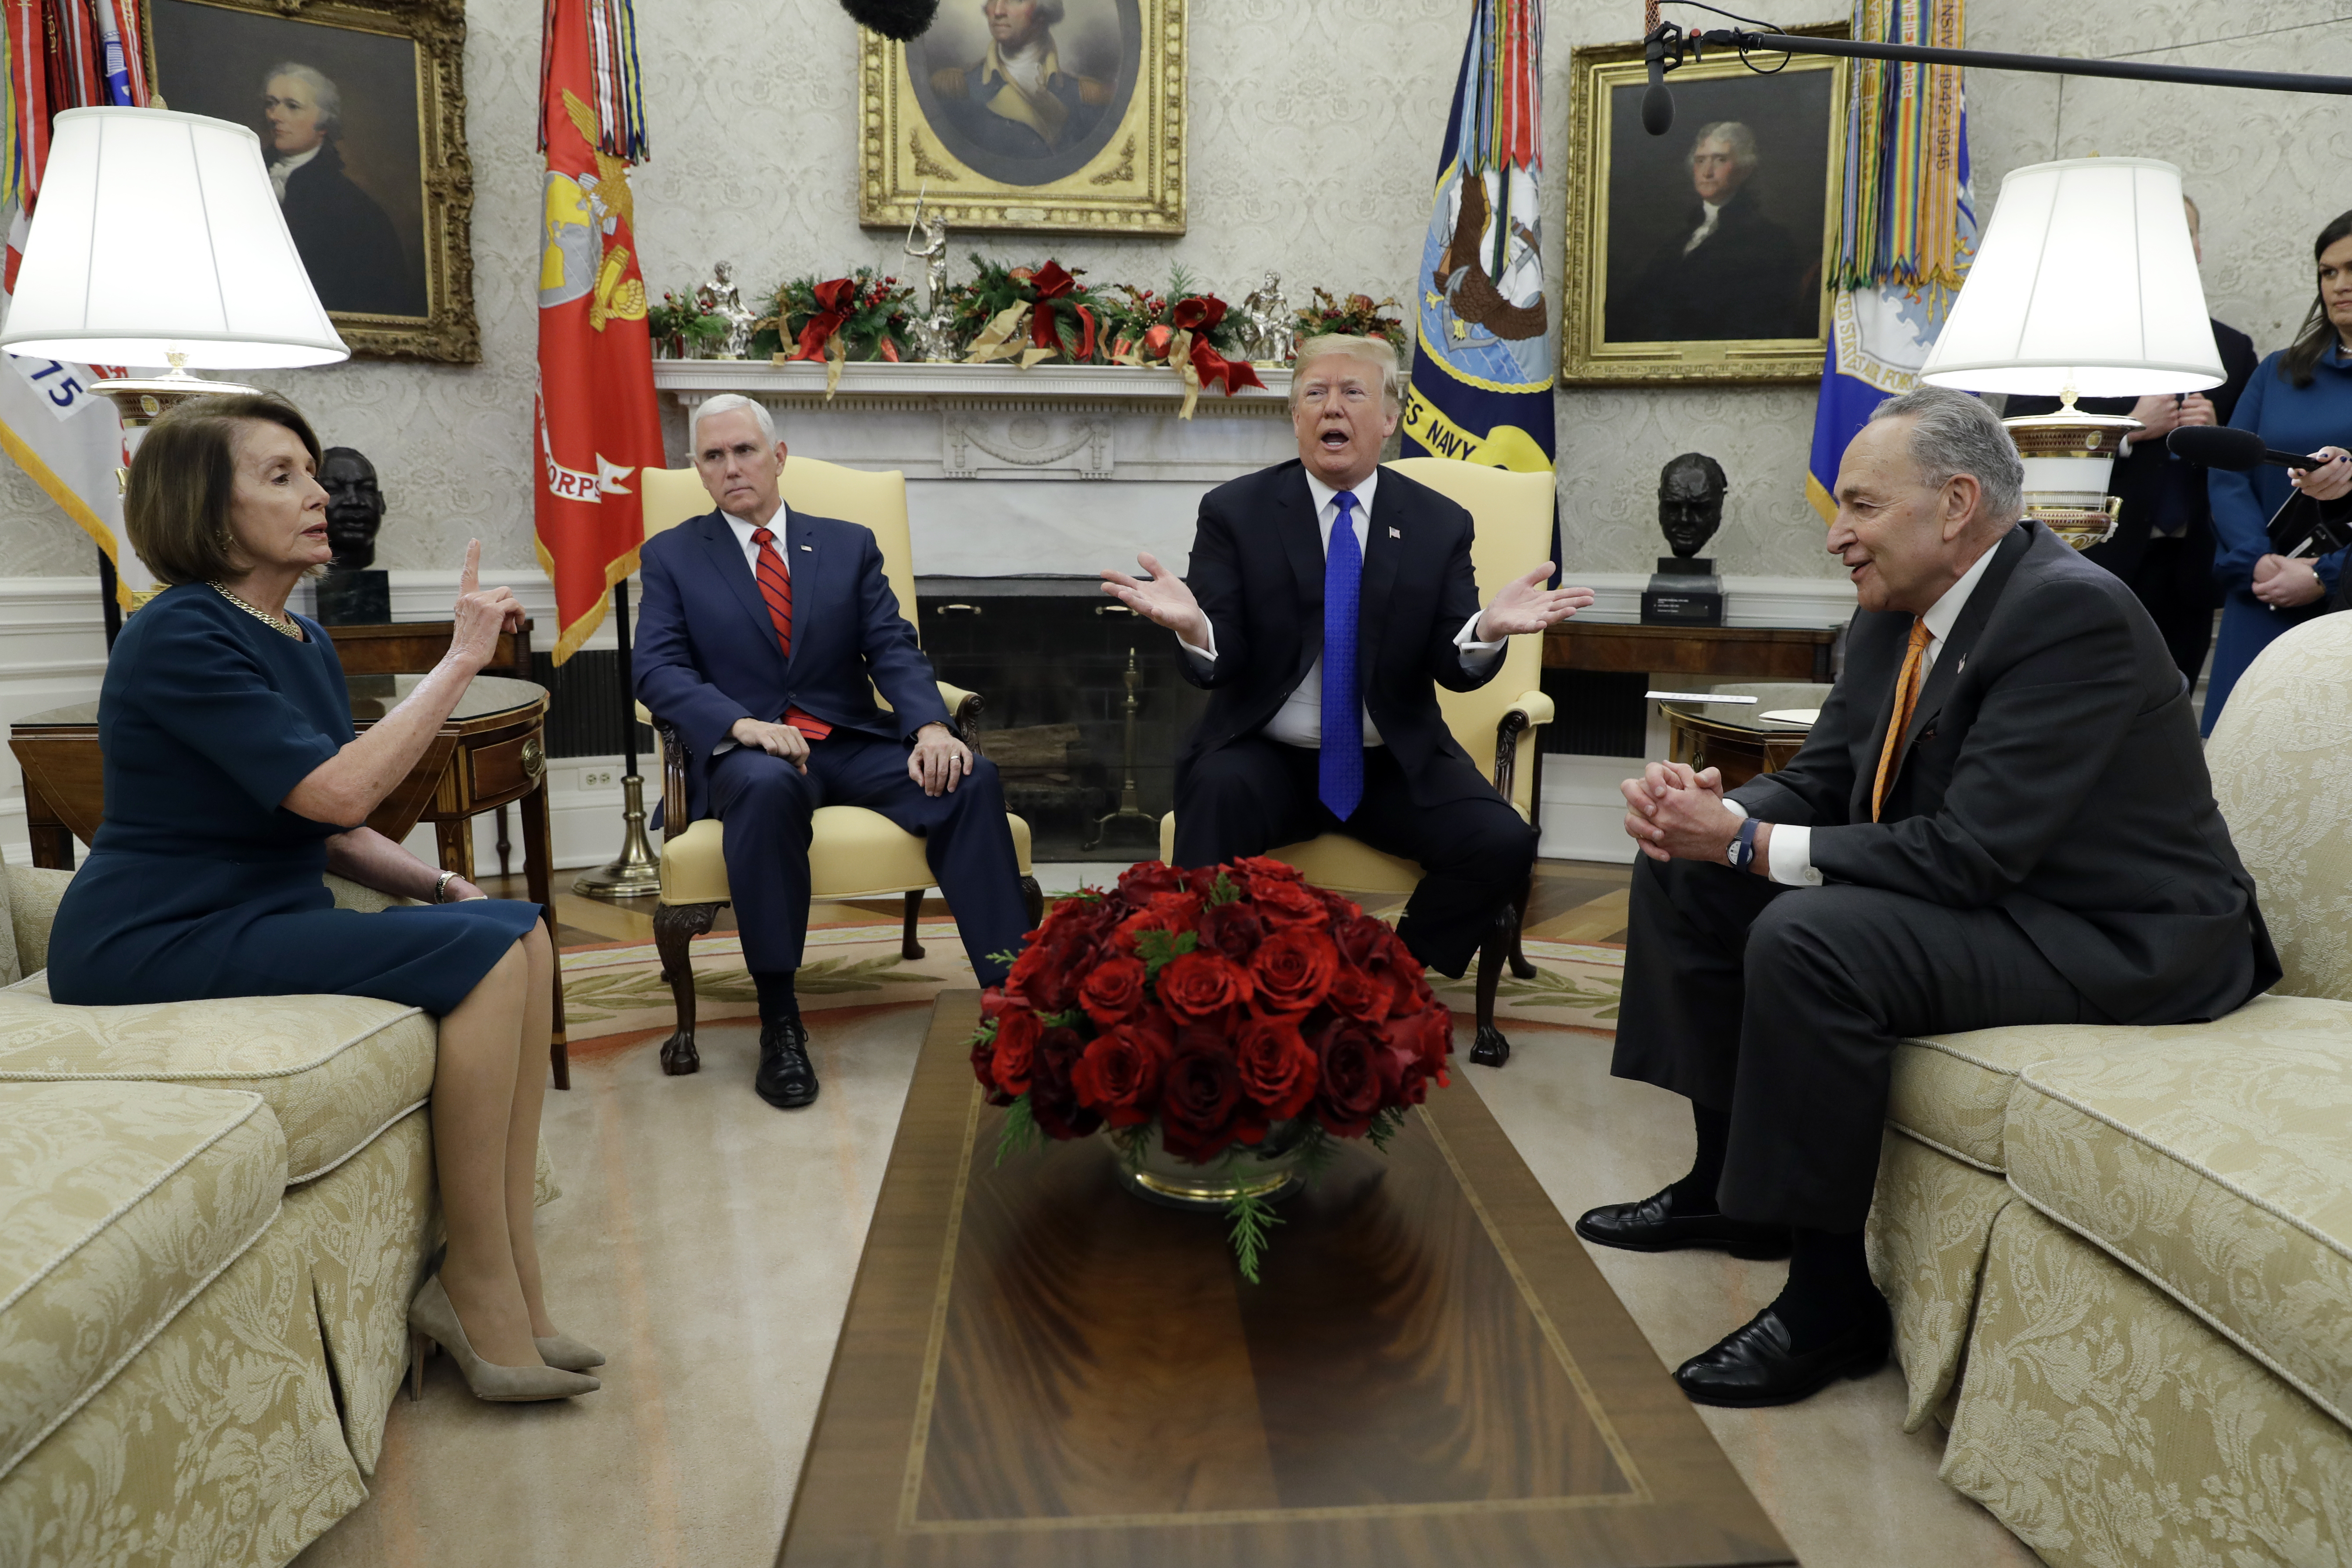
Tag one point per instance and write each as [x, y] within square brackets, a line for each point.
[199, 883]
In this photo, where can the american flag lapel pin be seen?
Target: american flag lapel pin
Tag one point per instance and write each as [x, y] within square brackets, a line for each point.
[1396, 533]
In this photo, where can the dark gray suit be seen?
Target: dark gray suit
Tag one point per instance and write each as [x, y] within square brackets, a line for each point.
[2050, 852]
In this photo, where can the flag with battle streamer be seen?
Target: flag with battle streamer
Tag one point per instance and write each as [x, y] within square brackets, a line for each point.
[1907, 229]
[1482, 365]
[65, 437]
[598, 423]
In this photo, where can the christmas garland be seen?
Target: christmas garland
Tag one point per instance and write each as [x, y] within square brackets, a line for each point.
[860, 317]
[1357, 316]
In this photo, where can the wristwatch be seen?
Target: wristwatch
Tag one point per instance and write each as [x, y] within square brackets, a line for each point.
[1743, 845]
[441, 888]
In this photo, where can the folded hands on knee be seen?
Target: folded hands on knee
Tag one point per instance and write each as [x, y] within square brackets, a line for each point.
[1674, 814]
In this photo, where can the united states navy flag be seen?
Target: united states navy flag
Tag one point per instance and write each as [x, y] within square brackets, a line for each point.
[1482, 364]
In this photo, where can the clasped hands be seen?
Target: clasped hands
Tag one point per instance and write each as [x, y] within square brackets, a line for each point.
[1675, 814]
[2285, 582]
[939, 762]
[1524, 605]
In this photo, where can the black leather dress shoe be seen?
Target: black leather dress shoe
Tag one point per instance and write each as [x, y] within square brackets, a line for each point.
[785, 1079]
[1754, 1365]
[1656, 1224]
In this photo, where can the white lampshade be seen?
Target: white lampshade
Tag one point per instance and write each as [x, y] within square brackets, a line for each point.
[2086, 279]
[158, 233]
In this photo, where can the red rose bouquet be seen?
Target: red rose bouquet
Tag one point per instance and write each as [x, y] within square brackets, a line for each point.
[1226, 1010]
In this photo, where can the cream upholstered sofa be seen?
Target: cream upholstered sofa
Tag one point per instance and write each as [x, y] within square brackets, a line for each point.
[212, 1218]
[2120, 1259]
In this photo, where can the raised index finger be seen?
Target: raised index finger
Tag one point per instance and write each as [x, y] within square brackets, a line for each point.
[468, 578]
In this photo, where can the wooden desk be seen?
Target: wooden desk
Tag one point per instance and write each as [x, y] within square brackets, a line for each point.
[1737, 653]
[1040, 1371]
[489, 752]
[1738, 741]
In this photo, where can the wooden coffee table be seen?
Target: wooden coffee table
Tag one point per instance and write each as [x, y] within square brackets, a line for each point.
[1038, 1369]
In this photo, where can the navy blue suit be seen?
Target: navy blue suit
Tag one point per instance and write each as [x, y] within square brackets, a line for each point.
[708, 655]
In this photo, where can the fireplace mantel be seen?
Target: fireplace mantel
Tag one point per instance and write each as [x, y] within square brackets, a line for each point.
[1026, 437]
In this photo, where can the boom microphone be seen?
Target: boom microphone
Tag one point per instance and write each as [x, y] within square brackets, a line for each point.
[904, 20]
[2219, 446]
[1658, 102]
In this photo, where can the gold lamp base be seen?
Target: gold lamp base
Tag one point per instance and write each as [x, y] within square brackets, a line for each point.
[638, 872]
[141, 400]
[2068, 458]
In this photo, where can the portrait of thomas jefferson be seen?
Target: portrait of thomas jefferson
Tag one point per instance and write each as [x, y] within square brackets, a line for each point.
[1030, 104]
[1728, 265]
[346, 241]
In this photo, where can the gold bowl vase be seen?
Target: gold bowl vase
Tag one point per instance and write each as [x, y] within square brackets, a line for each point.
[1269, 1171]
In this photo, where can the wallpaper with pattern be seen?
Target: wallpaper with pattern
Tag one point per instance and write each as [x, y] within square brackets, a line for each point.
[1315, 128]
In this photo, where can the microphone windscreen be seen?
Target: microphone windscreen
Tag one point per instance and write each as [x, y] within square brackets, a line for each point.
[901, 19]
[2216, 447]
[1658, 109]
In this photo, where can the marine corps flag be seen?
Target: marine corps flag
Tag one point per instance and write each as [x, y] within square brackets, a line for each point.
[597, 421]
[1482, 364]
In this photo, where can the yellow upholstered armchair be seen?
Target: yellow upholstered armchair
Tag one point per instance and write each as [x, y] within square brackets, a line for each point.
[853, 853]
[1496, 724]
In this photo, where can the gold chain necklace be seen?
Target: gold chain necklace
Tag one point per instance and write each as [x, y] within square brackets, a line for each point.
[281, 623]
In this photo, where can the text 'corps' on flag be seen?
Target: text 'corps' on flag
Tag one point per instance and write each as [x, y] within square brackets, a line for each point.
[598, 423]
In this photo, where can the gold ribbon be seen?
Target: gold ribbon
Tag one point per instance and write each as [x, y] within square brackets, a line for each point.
[1179, 360]
[1003, 339]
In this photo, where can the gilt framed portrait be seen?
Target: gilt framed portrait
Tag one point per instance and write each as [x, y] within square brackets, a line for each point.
[1701, 255]
[1050, 116]
[360, 109]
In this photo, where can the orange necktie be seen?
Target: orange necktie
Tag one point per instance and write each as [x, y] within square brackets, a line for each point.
[1906, 698]
[776, 588]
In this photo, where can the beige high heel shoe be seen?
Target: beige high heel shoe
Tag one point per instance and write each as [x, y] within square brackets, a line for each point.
[432, 1318]
[570, 1354]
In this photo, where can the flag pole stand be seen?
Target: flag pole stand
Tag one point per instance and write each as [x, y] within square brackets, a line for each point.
[637, 873]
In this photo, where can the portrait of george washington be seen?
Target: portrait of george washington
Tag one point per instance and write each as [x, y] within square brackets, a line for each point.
[1028, 92]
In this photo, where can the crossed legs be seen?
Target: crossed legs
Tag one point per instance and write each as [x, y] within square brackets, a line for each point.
[488, 1083]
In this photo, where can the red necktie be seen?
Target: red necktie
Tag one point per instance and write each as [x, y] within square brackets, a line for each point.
[776, 587]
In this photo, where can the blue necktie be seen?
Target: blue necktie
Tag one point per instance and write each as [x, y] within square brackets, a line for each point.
[1339, 777]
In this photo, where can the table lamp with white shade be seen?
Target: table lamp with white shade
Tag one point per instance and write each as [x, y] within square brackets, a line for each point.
[2085, 284]
[159, 241]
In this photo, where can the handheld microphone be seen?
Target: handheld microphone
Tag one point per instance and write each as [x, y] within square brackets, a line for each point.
[2219, 446]
[1658, 102]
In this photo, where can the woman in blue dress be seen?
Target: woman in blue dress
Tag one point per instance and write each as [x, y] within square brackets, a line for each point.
[2300, 400]
[233, 780]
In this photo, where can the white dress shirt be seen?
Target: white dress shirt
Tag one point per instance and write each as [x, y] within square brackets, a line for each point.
[1300, 720]
[1705, 227]
[1792, 845]
[285, 166]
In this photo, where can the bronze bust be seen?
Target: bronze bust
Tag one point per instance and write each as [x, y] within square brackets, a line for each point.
[353, 593]
[1685, 591]
[1690, 502]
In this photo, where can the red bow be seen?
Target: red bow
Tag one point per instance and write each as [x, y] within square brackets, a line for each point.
[1214, 368]
[1198, 315]
[834, 299]
[1052, 283]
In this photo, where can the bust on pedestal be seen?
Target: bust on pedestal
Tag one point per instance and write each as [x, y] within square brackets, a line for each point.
[352, 594]
[1685, 592]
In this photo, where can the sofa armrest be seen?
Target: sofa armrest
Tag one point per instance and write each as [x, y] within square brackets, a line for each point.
[33, 895]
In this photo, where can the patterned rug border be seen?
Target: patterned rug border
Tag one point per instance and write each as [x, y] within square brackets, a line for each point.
[616, 989]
